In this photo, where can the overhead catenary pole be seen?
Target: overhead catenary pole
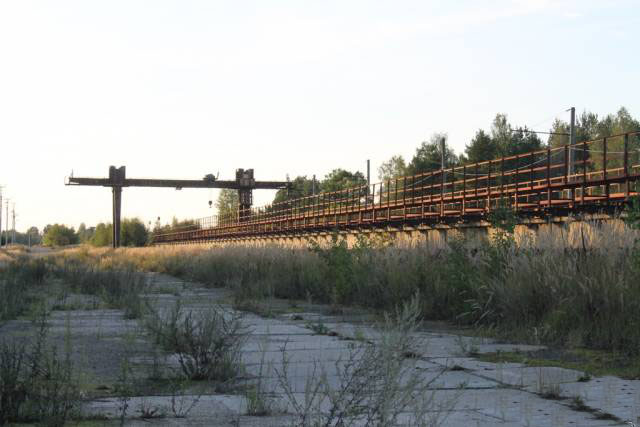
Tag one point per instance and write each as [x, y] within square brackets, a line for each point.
[572, 151]
[6, 237]
[572, 139]
[368, 174]
[444, 177]
[443, 164]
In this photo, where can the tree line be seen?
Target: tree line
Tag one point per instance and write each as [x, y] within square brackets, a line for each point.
[31, 236]
[133, 232]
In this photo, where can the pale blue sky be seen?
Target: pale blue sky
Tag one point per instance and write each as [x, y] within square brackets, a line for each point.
[179, 89]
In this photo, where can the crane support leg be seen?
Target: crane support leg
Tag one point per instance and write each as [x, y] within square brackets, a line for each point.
[117, 203]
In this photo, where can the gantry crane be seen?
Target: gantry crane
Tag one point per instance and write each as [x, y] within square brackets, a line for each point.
[244, 184]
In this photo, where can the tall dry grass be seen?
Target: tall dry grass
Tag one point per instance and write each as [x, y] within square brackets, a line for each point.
[578, 284]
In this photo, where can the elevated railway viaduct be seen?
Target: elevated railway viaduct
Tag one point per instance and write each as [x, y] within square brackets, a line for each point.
[591, 179]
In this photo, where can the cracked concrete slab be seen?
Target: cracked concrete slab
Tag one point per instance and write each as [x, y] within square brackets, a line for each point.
[464, 391]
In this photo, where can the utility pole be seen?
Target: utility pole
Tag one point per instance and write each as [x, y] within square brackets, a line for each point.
[368, 175]
[6, 237]
[443, 147]
[313, 185]
[13, 226]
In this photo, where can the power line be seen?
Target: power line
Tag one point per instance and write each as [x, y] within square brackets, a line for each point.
[535, 131]
[555, 116]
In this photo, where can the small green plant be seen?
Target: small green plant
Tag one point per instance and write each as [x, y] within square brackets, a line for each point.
[577, 404]
[585, 377]
[546, 390]
[149, 411]
[552, 392]
[36, 384]
[503, 217]
[181, 403]
[124, 389]
[503, 220]
[13, 384]
[318, 328]
[258, 401]
[340, 262]
[632, 218]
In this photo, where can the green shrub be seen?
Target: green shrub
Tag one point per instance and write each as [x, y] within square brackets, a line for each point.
[36, 384]
[59, 235]
[206, 341]
[19, 283]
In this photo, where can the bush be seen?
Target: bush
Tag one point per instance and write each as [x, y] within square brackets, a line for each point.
[18, 285]
[206, 341]
[59, 235]
[36, 385]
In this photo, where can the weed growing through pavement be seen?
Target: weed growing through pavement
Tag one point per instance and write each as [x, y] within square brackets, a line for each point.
[259, 401]
[20, 286]
[318, 327]
[148, 410]
[120, 288]
[372, 386]
[207, 341]
[37, 382]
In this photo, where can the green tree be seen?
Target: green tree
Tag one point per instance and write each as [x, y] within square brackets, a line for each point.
[511, 141]
[481, 148]
[522, 141]
[133, 232]
[501, 134]
[300, 187]
[558, 128]
[85, 234]
[102, 235]
[392, 168]
[589, 127]
[227, 203]
[429, 155]
[341, 179]
[59, 235]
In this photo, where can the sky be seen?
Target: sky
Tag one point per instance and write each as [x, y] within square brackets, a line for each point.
[180, 89]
